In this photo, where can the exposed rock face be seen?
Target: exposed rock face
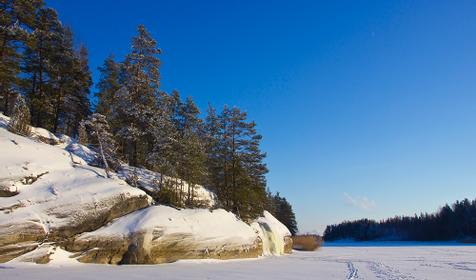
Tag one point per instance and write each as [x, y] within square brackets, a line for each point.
[40, 255]
[96, 215]
[161, 234]
[288, 245]
[13, 250]
[53, 197]
[19, 236]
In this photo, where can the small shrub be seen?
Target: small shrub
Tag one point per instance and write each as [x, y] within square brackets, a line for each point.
[307, 242]
[20, 119]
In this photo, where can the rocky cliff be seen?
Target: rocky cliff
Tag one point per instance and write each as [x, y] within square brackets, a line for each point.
[51, 198]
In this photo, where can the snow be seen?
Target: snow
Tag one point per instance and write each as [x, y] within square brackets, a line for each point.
[328, 263]
[56, 255]
[82, 152]
[65, 183]
[36, 132]
[210, 227]
[83, 155]
[61, 257]
[148, 180]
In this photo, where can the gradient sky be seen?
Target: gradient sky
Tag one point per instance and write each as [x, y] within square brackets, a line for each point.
[367, 108]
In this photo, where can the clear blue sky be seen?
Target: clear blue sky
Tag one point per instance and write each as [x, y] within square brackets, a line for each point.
[367, 108]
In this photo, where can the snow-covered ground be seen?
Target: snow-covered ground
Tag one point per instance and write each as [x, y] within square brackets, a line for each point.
[392, 263]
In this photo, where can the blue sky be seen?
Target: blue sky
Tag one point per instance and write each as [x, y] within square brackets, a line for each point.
[367, 108]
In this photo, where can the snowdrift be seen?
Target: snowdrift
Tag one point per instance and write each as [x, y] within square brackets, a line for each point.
[50, 198]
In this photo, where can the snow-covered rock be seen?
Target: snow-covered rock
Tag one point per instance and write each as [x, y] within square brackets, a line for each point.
[275, 236]
[50, 198]
[53, 195]
[163, 234]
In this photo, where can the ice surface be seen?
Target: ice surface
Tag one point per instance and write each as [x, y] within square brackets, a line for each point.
[328, 263]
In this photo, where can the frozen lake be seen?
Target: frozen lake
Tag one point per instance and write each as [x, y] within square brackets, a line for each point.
[332, 262]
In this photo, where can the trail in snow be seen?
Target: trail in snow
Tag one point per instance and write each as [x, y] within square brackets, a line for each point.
[352, 271]
[385, 272]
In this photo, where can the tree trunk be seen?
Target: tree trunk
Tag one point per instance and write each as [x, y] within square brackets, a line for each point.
[134, 153]
[57, 111]
[40, 84]
[6, 95]
[102, 154]
[188, 193]
[4, 43]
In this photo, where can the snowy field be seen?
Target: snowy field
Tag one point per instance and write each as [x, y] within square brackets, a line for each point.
[331, 262]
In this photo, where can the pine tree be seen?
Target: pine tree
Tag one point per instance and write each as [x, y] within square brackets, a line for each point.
[235, 162]
[246, 187]
[138, 96]
[163, 155]
[192, 158]
[214, 157]
[16, 21]
[62, 76]
[38, 66]
[76, 104]
[108, 86]
[20, 118]
[101, 138]
[82, 134]
[283, 211]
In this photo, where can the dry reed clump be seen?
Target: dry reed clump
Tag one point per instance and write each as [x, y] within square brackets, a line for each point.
[307, 242]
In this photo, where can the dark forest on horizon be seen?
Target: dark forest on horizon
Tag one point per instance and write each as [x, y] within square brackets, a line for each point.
[455, 222]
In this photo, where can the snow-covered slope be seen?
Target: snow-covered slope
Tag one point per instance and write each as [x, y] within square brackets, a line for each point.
[49, 193]
[50, 198]
[37, 133]
[148, 181]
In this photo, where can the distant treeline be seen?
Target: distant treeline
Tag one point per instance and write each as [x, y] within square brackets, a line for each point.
[455, 222]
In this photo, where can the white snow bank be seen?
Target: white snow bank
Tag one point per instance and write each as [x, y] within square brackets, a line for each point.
[211, 227]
